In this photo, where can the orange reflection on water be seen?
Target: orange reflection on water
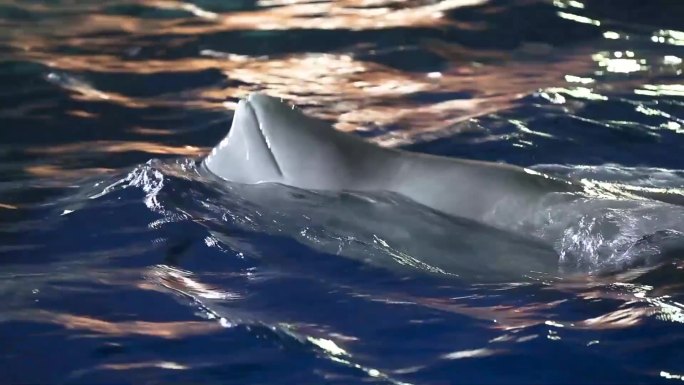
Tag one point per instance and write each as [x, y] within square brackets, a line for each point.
[111, 147]
[502, 317]
[338, 87]
[618, 319]
[294, 14]
[82, 114]
[144, 365]
[353, 93]
[356, 94]
[151, 131]
[166, 330]
[86, 21]
[51, 171]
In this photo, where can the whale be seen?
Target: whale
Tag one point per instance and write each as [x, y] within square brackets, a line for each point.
[491, 221]
[271, 141]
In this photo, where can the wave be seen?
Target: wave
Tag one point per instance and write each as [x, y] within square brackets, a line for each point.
[606, 230]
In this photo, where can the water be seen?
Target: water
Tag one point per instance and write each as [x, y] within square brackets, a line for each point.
[124, 262]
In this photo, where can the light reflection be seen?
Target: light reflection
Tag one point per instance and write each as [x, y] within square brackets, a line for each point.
[619, 64]
[672, 60]
[622, 65]
[578, 18]
[165, 330]
[673, 126]
[188, 7]
[577, 79]
[568, 3]
[54, 171]
[606, 190]
[348, 15]
[113, 147]
[553, 335]
[84, 91]
[611, 35]
[144, 365]
[523, 128]
[151, 131]
[329, 346]
[639, 304]
[127, 366]
[661, 90]
[671, 376]
[185, 283]
[654, 112]
[668, 36]
[354, 93]
[521, 317]
[553, 323]
[502, 317]
[579, 93]
[618, 319]
[77, 85]
[82, 114]
[475, 353]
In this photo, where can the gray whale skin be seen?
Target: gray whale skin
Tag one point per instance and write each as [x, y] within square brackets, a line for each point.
[272, 142]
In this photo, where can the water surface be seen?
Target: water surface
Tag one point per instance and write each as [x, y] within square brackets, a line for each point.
[122, 262]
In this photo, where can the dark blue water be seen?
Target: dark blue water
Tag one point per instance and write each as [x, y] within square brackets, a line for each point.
[123, 262]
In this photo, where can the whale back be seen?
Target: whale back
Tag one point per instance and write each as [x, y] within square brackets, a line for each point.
[271, 141]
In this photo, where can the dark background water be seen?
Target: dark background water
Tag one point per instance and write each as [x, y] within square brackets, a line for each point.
[151, 280]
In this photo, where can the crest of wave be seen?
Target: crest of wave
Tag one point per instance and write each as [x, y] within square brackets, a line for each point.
[611, 227]
[628, 216]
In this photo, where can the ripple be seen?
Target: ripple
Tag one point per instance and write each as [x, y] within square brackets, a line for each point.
[118, 268]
